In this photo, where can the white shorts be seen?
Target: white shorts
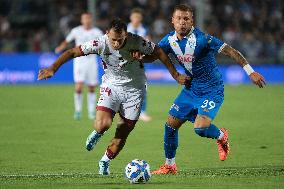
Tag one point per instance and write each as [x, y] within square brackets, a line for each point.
[127, 102]
[86, 71]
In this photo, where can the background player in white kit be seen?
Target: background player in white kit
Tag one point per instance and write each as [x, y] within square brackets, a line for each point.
[123, 85]
[85, 68]
[136, 26]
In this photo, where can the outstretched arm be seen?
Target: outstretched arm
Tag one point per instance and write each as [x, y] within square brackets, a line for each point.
[158, 53]
[61, 47]
[67, 55]
[256, 78]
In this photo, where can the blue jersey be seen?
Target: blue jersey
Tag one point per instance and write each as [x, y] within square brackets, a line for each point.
[196, 54]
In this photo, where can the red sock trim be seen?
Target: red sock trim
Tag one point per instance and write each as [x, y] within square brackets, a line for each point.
[110, 154]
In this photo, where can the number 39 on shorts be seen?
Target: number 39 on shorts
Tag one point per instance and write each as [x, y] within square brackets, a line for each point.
[208, 104]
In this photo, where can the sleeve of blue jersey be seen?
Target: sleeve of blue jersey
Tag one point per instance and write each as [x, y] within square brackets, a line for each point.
[164, 44]
[215, 44]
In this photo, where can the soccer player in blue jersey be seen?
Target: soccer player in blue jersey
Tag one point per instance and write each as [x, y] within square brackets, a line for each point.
[199, 101]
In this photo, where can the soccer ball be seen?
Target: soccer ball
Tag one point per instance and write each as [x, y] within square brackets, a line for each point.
[137, 171]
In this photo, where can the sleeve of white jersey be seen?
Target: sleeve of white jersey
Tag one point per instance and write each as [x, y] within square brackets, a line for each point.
[71, 36]
[92, 47]
[145, 47]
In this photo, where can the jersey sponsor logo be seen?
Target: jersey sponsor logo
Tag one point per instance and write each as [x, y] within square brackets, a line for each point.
[187, 58]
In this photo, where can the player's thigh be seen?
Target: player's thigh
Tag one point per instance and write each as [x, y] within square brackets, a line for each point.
[175, 122]
[130, 108]
[183, 107]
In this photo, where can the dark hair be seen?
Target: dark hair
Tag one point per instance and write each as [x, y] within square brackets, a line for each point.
[137, 10]
[118, 25]
[183, 7]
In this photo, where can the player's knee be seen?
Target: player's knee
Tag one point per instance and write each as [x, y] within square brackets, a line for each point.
[92, 88]
[175, 123]
[103, 125]
[78, 87]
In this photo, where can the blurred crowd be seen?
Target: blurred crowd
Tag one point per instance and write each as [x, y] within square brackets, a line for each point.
[255, 27]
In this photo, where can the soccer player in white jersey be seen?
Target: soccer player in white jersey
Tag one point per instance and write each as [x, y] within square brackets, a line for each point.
[123, 84]
[85, 68]
[135, 26]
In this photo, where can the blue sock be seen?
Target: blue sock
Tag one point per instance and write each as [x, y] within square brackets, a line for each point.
[170, 141]
[210, 132]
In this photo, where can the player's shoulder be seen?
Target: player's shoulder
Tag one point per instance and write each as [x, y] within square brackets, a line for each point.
[97, 31]
[165, 39]
[77, 29]
[198, 33]
[202, 36]
[133, 37]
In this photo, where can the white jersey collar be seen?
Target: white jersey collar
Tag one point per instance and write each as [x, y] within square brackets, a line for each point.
[190, 32]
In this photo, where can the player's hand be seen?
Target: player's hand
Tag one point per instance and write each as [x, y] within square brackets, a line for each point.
[257, 79]
[45, 73]
[136, 55]
[183, 79]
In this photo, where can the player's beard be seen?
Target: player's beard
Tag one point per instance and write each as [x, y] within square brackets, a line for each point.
[183, 31]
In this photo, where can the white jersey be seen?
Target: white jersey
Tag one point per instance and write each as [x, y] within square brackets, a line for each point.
[141, 30]
[81, 35]
[85, 68]
[121, 69]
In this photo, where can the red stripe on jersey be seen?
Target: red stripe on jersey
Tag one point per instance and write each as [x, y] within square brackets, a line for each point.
[81, 50]
[104, 65]
[105, 109]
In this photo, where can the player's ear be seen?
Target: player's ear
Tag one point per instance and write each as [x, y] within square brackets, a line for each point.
[172, 20]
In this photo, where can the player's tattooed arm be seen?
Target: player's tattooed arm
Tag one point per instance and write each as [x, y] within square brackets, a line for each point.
[234, 54]
[255, 77]
[67, 55]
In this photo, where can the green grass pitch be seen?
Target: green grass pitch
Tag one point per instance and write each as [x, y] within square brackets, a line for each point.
[41, 146]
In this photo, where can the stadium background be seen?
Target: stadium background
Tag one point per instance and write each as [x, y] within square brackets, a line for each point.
[30, 31]
[34, 124]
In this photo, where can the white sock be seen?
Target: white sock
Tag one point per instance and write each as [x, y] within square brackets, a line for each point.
[221, 135]
[78, 101]
[171, 161]
[105, 158]
[91, 102]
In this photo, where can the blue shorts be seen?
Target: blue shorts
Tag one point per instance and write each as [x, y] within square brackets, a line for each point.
[187, 105]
